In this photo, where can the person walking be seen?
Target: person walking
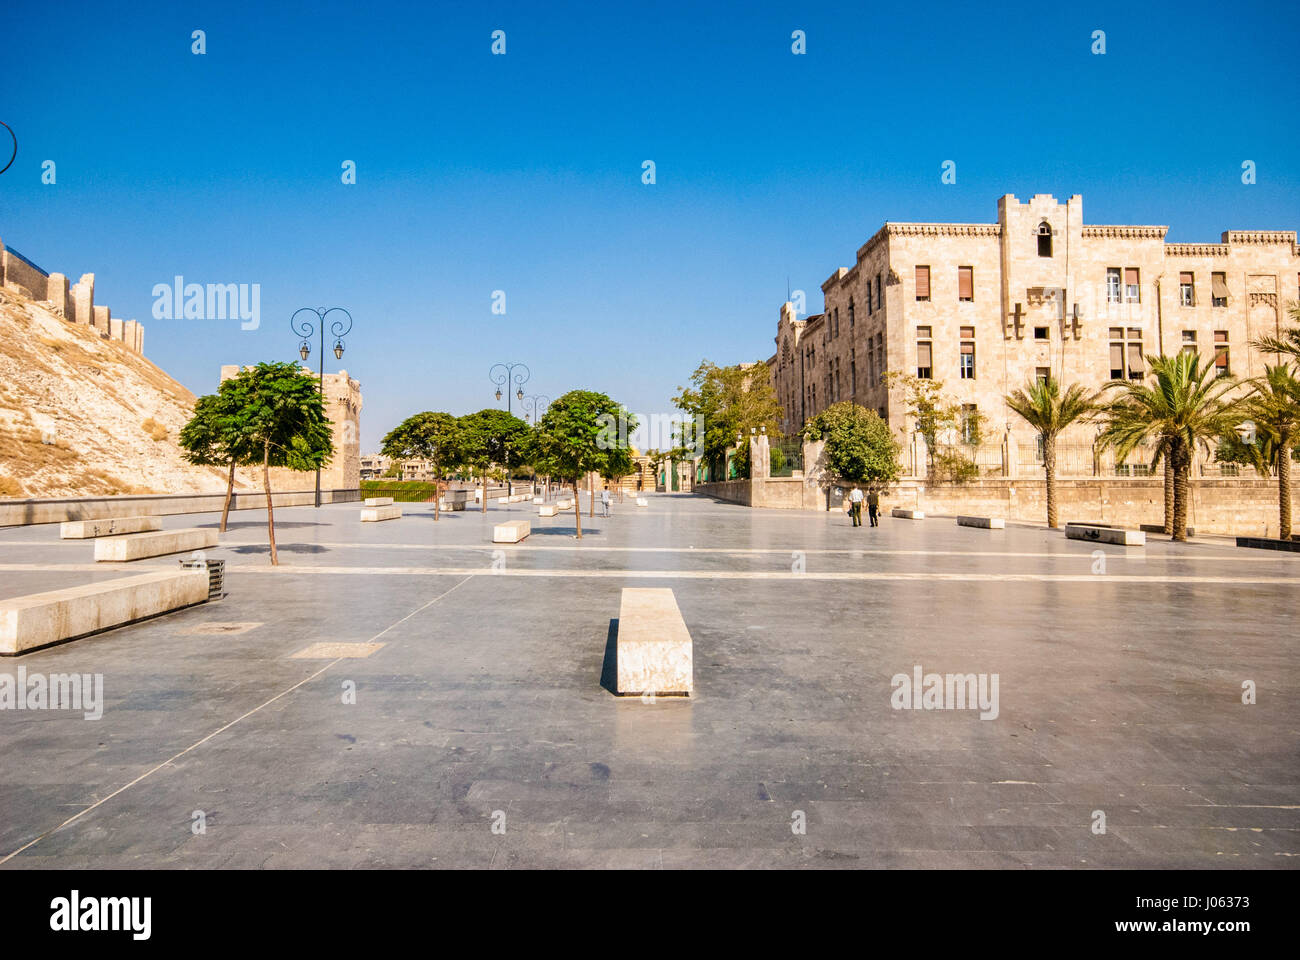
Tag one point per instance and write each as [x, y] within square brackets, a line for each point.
[855, 506]
[873, 508]
[604, 501]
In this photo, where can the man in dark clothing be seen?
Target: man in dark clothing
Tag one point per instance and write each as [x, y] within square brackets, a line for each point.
[873, 508]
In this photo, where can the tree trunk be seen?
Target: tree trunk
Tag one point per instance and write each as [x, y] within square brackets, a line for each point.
[1169, 493]
[485, 480]
[270, 513]
[1181, 464]
[1049, 470]
[1284, 485]
[577, 507]
[230, 492]
[437, 489]
[591, 488]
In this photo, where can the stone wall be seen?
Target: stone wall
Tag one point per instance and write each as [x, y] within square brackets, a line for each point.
[15, 513]
[76, 304]
[1221, 506]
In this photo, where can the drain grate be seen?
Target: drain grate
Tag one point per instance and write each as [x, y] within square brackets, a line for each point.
[216, 574]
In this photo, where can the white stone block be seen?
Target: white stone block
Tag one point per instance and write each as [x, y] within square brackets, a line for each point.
[654, 646]
[39, 619]
[512, 531]
[108, 527]
[138, 546]
[986, 523]
[907, 514]
[374, 514]
[1116, 535]
[378, 501]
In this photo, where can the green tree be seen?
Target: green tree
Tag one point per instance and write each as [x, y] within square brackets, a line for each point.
[427, 436]
[1041, 404]
[490, 437]
[933, 413]
[211, 439]
[859, 447]
[731, 400]
[277, 410]
[572, 439]
[1273, 406]
[1185, 406]
[1287, 344]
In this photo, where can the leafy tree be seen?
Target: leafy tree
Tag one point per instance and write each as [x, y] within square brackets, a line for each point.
[1185, 407]
[933, 413]
[428, 436]
[490, 437]
[731, 400]
[1041, 404]
[859, 447]
[278, 411]
[211, 439]
[572, 439]
[1288, 343]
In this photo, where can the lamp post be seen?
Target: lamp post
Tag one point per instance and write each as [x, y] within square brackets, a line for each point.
[536, 404]
[304, 329]
[508, 378]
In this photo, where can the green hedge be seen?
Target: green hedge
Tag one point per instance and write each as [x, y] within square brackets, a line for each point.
[402, 491]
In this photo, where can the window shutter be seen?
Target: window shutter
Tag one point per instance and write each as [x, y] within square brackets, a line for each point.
[1184, 278]
[1221, 356]
[1220, 286]
[1130, 275]
[923, 355]
[1135, 364]
[965, 286]
[968, 333]
[968, 348]
[922, 282]
[1117, 356]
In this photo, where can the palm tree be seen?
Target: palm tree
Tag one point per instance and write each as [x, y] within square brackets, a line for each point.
[1274, 407]
[1185, 407]
[1041, 404]
[1288, 343]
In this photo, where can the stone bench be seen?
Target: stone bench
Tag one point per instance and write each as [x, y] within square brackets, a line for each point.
[110, 526]
[1099, 534]
[390, 511]
[984, 523]
[538, 500]
[138, 546]
[907, 514]
[40, 619]
[1267, 543]
[452, 505]
[1160, 528]
[512, 531]
[642, 502]
[654, 646]
[378, 501]
[564, 504]
[548, 510]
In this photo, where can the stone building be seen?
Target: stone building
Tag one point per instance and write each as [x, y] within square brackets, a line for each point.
[343, 408]
[984, 307]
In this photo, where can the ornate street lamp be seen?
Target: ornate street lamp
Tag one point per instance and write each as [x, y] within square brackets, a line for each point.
[304, 328]
[508, 378]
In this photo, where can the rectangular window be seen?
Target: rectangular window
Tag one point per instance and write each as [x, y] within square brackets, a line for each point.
[1186, 290]
[1221, 364]
[968, 360]
[1218, 290]
[1042, 333]
[923, 359]
[880, 304]
[1189, 341]
[922, 283]
[853, 373]
[1042, 373]
[1136, 366]
[1131, 289]
[1117, 361]
[1112, 285]
[965, 283]
[969, 423]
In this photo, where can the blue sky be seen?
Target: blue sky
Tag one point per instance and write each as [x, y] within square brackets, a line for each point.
[522, 172]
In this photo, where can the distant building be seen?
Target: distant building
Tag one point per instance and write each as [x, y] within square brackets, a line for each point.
[984, 307]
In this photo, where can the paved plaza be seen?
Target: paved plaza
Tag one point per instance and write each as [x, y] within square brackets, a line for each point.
[484, 731]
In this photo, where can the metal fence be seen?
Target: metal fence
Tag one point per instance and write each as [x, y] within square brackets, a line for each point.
[791, 458]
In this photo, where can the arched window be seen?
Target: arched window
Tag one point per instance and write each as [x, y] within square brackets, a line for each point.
[1044, 239]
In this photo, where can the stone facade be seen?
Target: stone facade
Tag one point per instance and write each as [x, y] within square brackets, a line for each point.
[75, 304]
[343, 407]
[1037, 291]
